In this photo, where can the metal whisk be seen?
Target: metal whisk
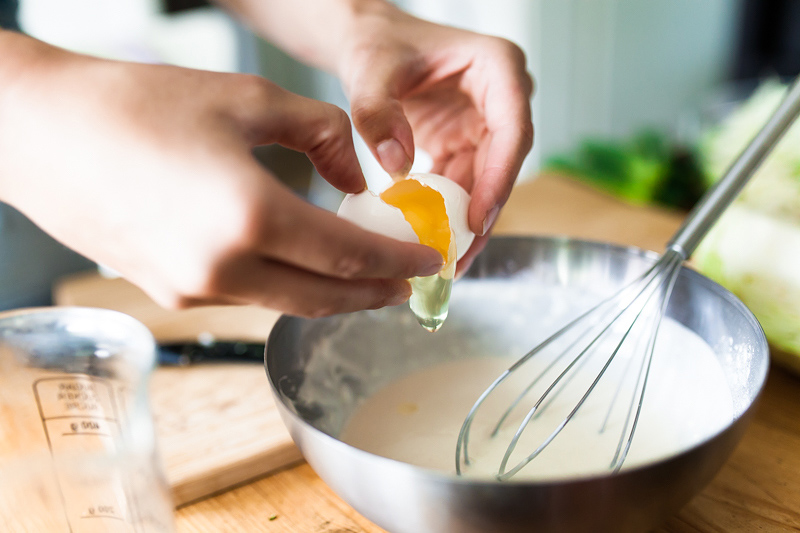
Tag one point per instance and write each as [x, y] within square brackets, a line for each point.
[623, 322]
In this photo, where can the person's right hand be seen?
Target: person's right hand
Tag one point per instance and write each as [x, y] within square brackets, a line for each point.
[148, 170]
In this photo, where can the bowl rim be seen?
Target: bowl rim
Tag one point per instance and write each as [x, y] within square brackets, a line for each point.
[439, 476]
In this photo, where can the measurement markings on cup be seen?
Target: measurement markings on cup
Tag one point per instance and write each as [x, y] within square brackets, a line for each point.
[84, 408]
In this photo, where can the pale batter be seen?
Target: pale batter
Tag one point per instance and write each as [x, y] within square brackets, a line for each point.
[416, 419]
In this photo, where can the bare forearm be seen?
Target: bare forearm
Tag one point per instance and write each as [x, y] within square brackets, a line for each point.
[127, 142]
[24, 59]
[316, 32]
[24, 56]
[20, 55]
[463, 97]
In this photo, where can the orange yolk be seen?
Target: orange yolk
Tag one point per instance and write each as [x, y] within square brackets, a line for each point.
[423, 208]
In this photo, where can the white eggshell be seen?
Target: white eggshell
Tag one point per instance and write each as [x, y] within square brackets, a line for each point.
[368, 211]
[456, 203]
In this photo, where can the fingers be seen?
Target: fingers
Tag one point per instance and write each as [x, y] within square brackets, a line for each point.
[289, 255]
[508, 89]
[474, 250]
[254, 279]
[506, 151]
[378, 116]
[316, 240]
[319, 129]
[304, 260]
[459, 167]
[310, 295]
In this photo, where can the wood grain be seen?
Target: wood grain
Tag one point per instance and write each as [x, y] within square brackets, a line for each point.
[218, 427]
[556, 206]
[217, 424]
[757, 490]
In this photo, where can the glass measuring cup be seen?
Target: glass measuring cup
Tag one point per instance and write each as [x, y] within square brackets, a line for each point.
[77, 440]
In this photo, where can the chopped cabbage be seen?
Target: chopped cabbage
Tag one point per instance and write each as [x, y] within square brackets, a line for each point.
[754, 249]
[775, 187]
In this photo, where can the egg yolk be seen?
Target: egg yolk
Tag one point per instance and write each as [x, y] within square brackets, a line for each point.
[423, 208]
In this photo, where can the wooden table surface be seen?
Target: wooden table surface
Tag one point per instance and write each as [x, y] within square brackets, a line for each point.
[757, 490]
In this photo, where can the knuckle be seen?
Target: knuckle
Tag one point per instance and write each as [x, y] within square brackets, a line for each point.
[512, 51]
[530, 83]
[340, 120]
[209, 284]
[181, 302]
[528, 134]
[172, 296]
[354, 265]
[194, 287]
[210, 280]
[335, 128]
[255, 88]
[371, 113]
[516, 62]
[363, 112]
[174, 301]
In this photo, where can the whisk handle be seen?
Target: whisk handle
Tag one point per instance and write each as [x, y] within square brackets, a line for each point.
[719, 197]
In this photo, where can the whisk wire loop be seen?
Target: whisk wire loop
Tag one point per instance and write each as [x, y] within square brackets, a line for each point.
[621, 453]
[462, 445]
[645, 295]
[659, 279]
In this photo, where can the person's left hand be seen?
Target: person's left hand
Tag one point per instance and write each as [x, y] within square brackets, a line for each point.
[462, 97]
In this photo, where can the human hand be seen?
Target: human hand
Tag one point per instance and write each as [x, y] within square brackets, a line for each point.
[462, 97]
[148, 170]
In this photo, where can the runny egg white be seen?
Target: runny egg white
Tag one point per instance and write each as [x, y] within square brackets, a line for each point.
[427, 209]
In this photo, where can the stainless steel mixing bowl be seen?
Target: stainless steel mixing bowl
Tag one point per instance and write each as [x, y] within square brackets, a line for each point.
[402, 498]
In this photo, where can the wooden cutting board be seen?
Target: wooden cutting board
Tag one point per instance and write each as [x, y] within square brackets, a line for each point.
[217, 424]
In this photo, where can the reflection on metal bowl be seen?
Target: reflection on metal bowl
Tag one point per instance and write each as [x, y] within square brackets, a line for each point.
[305, 359]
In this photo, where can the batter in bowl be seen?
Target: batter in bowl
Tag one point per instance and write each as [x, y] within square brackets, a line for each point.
[416, 419]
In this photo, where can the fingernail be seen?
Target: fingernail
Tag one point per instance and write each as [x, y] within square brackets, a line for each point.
[393, 158]
[490, 218]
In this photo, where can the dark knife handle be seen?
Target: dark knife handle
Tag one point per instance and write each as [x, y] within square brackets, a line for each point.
[188, 353]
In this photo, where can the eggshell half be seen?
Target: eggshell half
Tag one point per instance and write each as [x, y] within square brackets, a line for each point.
[456, 203]
[368, 211]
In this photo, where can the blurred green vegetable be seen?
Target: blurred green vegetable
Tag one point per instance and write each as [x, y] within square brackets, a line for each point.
[647, 169]
[754, 249]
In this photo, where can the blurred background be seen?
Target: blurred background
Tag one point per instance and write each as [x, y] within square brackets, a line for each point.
[605, 69]
[626, 90]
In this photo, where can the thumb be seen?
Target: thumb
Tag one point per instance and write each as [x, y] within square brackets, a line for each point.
[319, 129]
[378, 116]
